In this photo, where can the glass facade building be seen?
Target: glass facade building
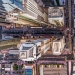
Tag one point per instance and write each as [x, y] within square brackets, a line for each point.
[2, 17]
[5, 7]
[12, 4]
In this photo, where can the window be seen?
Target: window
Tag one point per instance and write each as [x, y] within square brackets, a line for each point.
[26, 48]
[3, 66]
[46, 66]
[39, 49]
[7, 65]
[42, 43]
[51, 66]
[19, 1]
[31, 52]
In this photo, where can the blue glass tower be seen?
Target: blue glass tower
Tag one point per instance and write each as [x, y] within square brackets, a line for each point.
[2, 17]
[12, 4]
[5, 7]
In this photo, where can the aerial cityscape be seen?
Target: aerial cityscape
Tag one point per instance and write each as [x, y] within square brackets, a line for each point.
[37, 37]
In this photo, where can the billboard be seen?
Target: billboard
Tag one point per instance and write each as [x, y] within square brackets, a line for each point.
[23, 55]
[56, 16]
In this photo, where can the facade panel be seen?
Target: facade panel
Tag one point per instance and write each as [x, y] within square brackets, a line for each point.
[2, 17]
[34, 10]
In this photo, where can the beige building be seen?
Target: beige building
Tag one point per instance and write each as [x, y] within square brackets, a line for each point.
[53, 69]
[56, 16]
[34, 14]
[34, 9]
